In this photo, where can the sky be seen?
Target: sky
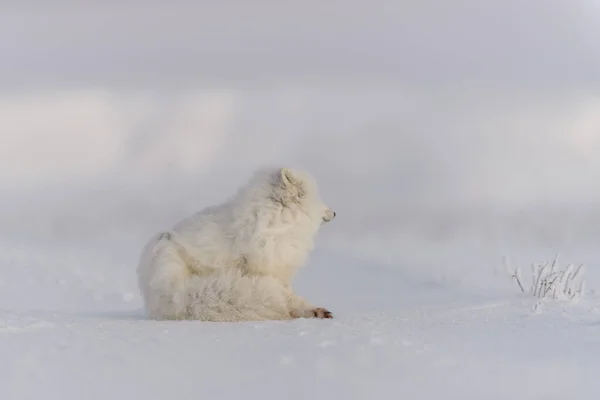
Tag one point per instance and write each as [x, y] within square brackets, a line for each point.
[538, 43]
[396, 107]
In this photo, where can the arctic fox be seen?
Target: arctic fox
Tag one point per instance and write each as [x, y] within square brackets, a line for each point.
[236, 261]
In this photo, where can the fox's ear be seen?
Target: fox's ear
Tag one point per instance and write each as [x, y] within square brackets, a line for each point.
[287, 177]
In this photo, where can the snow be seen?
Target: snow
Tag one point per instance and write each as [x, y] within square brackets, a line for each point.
[470, 137]
[72, 326]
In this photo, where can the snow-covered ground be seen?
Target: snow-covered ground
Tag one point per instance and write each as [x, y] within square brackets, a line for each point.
[72, 327]
[445, 138]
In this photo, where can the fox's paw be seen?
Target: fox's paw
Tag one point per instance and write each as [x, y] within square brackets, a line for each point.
[319, 312]
[322, 313]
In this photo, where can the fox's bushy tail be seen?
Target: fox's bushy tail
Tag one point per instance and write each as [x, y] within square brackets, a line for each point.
[162, 277]
[171, 290]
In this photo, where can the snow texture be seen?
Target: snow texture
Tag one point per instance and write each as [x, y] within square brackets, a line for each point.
[70, 332]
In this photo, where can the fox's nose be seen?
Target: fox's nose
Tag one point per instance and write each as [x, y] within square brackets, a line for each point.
[334, 214]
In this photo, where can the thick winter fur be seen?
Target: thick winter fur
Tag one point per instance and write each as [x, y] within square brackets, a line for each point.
[236, 261]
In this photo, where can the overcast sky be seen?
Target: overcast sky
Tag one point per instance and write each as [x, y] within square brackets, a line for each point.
[387, 103]
[548, 43]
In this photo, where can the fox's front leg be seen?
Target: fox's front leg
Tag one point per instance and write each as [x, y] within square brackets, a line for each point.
[300, 308]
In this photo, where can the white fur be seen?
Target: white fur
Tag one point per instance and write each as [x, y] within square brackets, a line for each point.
[236, 261]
